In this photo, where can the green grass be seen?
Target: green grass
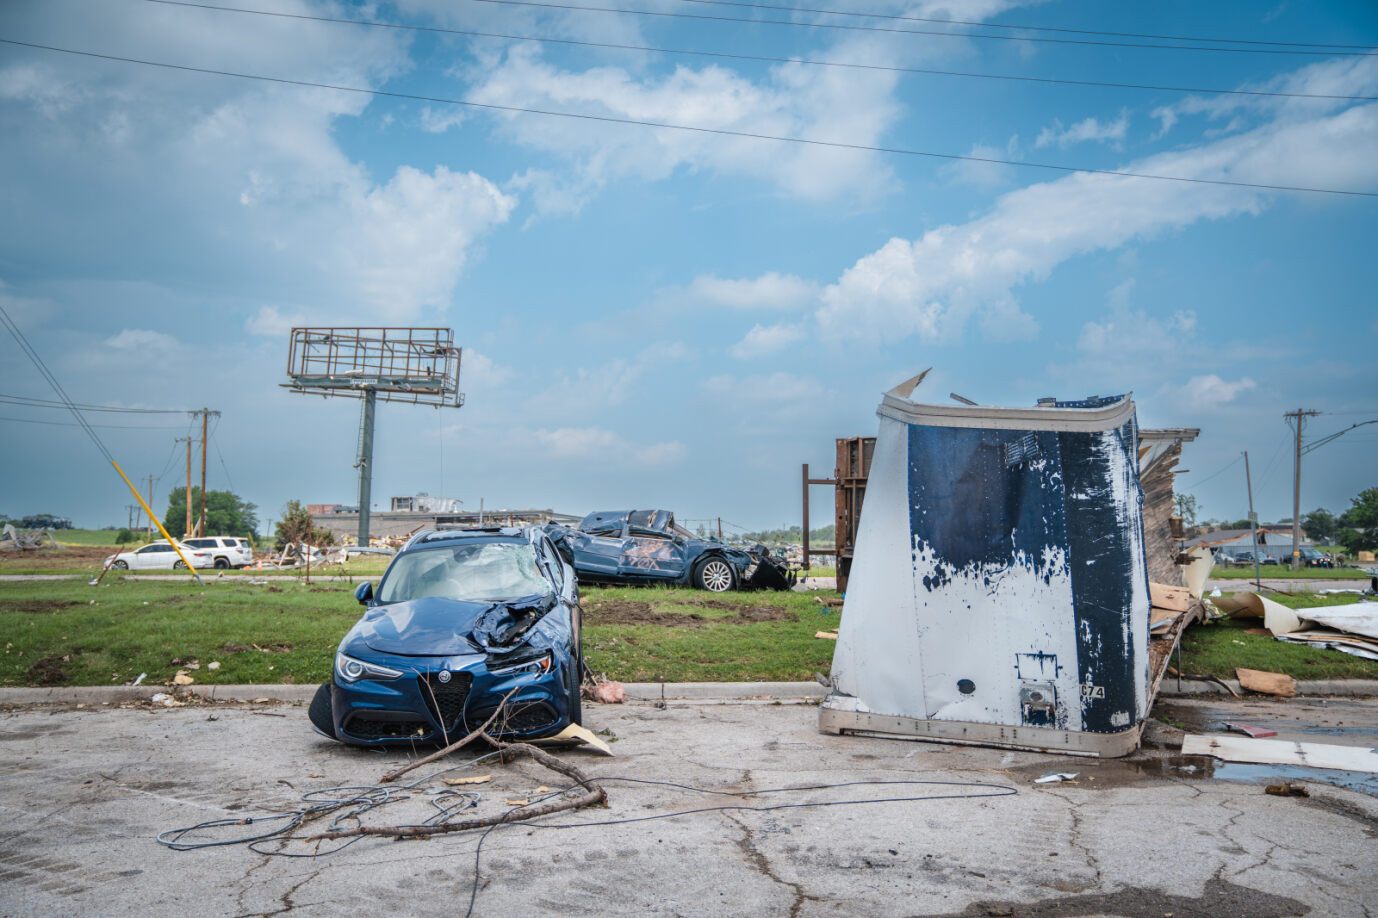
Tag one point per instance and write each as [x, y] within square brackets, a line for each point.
[770, 651]
[115, 631]
[86, 536]
[1217, 648]
[819, 572]
[1282, 572]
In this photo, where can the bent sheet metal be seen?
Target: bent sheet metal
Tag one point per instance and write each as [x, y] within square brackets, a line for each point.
[999, 594]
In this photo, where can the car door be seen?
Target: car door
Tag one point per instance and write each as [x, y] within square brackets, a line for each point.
[147, 558]
[597, 553]
[652, 555]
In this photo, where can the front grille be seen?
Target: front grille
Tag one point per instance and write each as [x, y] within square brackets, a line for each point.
[373, 729]
[445, 700]
[527, 718]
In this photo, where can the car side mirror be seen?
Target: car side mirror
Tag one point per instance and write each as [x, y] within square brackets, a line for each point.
[364, 592]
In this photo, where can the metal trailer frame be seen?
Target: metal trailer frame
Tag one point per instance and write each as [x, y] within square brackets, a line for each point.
[999, 593]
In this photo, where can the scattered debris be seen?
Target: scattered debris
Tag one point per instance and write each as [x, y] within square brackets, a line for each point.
[1057, 777]
[140, 680]
[213, 665]
[1266, 683]
[166, 700]
[575, 735]
[1251, 730]
[474, 779]
[1287, 789]
[826, 635]
[12, 539]
[1352, 629]
[182, 678]
[1282, 752]
[605, 691]
[517, 801]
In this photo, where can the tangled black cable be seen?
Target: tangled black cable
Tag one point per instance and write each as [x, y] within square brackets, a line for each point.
[353, 801]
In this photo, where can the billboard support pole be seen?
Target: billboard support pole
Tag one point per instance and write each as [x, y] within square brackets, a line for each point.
[366, 466]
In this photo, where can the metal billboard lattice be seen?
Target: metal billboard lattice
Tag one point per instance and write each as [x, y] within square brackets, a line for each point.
[418, 366]
[412, 365]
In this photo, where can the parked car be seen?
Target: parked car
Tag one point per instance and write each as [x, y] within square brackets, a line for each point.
[225, 551]
[1310, 557]
[460, 619]
[646, 546]
[158, 555]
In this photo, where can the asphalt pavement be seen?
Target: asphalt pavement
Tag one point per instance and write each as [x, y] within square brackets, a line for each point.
[86, 791]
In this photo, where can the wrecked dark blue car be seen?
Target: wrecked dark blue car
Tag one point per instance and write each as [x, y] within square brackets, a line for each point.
[645, 546]
[459, 620]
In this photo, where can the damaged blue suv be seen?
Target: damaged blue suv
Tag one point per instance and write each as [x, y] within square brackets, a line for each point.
[460, 619]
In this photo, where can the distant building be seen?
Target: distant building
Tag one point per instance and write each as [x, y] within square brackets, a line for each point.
[409, 514]
[1275, 540]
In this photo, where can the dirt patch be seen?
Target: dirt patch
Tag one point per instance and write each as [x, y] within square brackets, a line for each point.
[48, 671]
[275, 647]
[636, 612]
[74, 557]
[41, 606]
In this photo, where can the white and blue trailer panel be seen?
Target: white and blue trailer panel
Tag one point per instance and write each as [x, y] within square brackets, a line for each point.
[999, 590]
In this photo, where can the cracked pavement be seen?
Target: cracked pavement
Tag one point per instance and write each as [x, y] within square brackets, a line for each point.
[84, 792]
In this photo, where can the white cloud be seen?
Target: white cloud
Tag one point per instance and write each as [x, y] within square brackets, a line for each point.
[794, 100]
[763, 340]
[1086, 130]
[250, 175]
[607, 446]
[1126, 333]
[479, 371]
[986, 175]
[1204, 393]
[141, 339]
[769, 291]
[933, 285]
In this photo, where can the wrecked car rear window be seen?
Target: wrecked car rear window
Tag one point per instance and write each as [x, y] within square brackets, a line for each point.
[484, 572]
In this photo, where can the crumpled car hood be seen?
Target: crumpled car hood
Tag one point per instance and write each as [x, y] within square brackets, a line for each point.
[429, 627]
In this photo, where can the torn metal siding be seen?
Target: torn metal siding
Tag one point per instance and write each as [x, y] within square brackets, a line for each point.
[999, 577]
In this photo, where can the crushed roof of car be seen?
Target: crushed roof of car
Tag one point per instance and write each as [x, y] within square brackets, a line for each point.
[641, 519]
[447, 535]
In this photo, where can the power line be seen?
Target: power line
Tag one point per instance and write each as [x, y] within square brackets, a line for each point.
[722, 132]
[1230, 465]
[1025, 28]
[28, 402]
[760, 58]
[223, 466]
[103, 426]
[931, 32]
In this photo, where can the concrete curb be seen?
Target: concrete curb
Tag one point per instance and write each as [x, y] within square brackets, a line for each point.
[637, 692]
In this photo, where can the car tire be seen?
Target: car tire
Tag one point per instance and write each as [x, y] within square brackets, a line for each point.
[322, 712]
[222, 564]
[121, 565]
[573, 684]
[179, 565]
[715, 575]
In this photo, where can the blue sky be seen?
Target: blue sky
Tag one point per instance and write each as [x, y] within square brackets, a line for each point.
[655, 317]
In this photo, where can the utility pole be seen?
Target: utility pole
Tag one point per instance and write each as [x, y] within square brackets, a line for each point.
[187, 441]
[1253, 519]
[1297, 419]
[150, 504]
[201, 517]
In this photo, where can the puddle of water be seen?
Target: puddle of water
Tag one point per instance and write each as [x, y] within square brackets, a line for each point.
[1363, 782]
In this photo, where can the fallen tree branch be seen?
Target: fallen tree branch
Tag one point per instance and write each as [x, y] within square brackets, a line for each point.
[394, 775]
[593, 794]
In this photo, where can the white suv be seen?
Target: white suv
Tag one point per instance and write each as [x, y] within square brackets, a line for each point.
[225, 551]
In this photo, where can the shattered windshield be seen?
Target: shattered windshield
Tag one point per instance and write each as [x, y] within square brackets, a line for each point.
[482, 572]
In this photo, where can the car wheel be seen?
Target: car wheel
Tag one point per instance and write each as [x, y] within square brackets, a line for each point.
[715, 575]
[322, 712]
[572, 684]
[222, 564]
[121, 565]
[179, 565]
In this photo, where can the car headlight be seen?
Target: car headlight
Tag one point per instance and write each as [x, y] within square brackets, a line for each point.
[348, 669]
[513, 664]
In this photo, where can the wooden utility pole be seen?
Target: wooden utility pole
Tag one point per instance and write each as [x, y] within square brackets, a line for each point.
[187, 440]
[201, 520]
[150, 504]
[1297, 419]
